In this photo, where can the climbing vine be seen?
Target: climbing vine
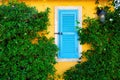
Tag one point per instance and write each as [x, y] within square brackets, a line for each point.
[20, 59]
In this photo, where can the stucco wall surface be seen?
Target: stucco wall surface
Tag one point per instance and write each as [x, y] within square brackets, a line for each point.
[88, 9]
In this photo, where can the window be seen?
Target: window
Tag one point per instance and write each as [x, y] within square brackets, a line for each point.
[66, 36]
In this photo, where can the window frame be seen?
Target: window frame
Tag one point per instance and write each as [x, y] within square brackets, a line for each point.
[57, 8]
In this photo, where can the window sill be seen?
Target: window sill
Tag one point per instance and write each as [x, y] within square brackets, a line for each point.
[68, 60]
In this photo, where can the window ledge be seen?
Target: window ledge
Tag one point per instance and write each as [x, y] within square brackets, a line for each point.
[68, 60]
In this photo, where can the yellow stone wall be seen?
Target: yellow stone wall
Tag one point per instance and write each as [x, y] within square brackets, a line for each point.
[88, 9]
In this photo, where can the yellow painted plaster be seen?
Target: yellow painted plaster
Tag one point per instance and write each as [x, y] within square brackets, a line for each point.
[88, 9]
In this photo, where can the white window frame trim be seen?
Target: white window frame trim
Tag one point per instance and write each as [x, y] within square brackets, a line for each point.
[57, 8]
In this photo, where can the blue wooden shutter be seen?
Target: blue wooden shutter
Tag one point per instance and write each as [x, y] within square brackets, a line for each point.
[68, 43]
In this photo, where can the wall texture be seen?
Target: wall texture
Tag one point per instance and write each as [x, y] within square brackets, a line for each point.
[88, 9]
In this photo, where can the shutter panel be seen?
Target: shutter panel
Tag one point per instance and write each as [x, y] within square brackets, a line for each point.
[68, 40]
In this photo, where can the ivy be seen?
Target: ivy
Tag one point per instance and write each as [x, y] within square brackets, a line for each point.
[103, 59]
[19, 58]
